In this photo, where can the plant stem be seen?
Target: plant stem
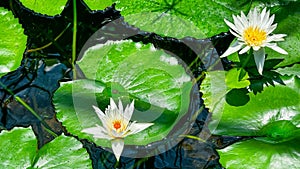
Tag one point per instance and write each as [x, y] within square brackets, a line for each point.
[47, 127]
[74, 39]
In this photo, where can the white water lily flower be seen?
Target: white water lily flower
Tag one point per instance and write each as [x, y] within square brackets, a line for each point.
[116, 125]
[254, 31]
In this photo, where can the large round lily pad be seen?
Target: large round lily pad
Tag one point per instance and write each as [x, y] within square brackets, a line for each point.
[13, 42]
[177, 18]
[18, 149]
[157, 82]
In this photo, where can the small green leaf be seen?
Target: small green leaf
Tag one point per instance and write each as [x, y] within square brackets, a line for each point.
[256, 154]
[19, 150]
[237, 97]
[47, 7]
[237, 78]
[13, 42]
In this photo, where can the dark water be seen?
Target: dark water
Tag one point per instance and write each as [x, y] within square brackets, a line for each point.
[41, 71]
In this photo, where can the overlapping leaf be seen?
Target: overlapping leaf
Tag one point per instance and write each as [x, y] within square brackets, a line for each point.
[47, 7]
[273, 103]
[156, 81]
[256, 154]
[176, 18]
[19, 150]
[13, 42]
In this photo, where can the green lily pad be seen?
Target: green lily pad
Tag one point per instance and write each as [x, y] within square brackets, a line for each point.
[237, 78]
[13, 42]
[271, 105]
[156, 81]
[293, 70]
[98, 5]
[256, 154]
[176, 18]
[19, 150]
[287, 17]
[47, 7]
[145, 72]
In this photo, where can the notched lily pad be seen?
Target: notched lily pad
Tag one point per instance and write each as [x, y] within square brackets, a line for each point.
[207, 16]
[158, 83]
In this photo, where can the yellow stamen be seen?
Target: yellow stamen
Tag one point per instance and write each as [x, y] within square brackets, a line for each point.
[254, 36]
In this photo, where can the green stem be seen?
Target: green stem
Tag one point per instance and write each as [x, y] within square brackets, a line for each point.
[47, 127]
[74, 38]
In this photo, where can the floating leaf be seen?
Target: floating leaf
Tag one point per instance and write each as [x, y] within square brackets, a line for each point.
[237, 78]
[176, 18]
[271, 105]
[271, 116]
[256, 154]
[98, 5]
[294, 70]
[13, 42]
[147, 73]
[19, 150]
[287, 17]
[156, 81]
[47, 7]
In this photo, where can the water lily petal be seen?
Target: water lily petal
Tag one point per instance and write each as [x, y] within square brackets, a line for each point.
[244, 20]
[232, 26]
[265, 20]
[262, 15]
[129, 110]
[117, 146]
[276, 37]
[245, 49]
[234, 48]
[270, 21]
[97, 132]
[259, 58]
[120, 106]
[277, 48]
[256, 48]
[101, 116]
[271, 28]
[238, 24]
[235, 34]
[113, 105]
[99, 113]
[137, 127]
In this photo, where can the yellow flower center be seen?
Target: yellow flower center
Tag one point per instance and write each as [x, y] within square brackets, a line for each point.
[117, 124]
[254, 36]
